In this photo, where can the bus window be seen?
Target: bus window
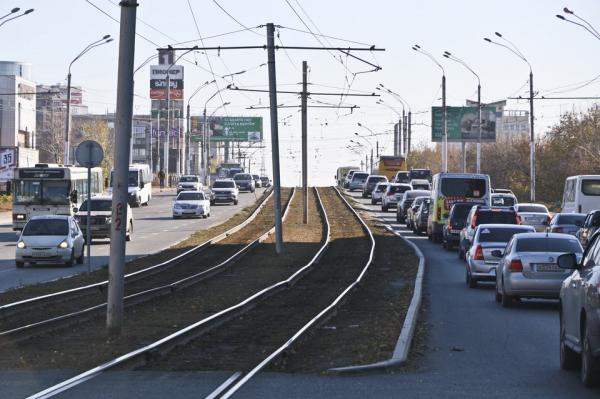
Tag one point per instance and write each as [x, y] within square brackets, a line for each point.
[460, 187]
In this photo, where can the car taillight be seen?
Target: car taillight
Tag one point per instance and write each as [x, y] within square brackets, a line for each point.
[515, 266]
[474, 221]
[450, 227]
[548, 220]
[478, 253]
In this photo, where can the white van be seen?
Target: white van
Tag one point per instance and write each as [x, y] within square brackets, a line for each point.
[581, 194]
[139, 184]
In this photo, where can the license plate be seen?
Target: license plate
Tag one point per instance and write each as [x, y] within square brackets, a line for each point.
[455, 231]
[547, 267]
[41, 254]
[189, 212]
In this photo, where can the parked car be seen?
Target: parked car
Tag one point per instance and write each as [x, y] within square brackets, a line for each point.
[421, 215]
[590, 226]
[420, 184]
[224, 190]
[257, 181]
[191, 204]
[50, 239]
[568, 223]
[407, 199]
[392, 195]
[481, 262]
[535, 215]
[266, 182]
[412, 210]
[244, 181]
[402, 176]
[358, 181]
[480, 214]
[456, 222]
[378, 192]
[189, 182]
[529, 268]
[370, 184]
[580, 313]
[100, 218]
[503, 200]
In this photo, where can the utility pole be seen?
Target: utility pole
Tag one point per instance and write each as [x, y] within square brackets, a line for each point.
[479, 138]
[274, 136]
[158, 141]
[404, 131]
[445, 132]
[532, 142]
[187, 165]
[124, 114]
[409, 130]
[304, 144]
[67, 155]
[168, 129]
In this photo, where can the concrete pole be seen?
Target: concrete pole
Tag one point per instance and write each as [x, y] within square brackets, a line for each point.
[304, 144]
[124, 113]
[274, 136]
[463, 155]
[68, 120]
[205, 150]
[158, 141]
[187, 165]
[478, 169]
[445, 125]
[532, 139]
[371, 160]
[404, 131]
[409, 131]
[168, 138]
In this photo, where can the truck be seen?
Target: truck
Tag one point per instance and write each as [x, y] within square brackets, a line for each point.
[389, 165]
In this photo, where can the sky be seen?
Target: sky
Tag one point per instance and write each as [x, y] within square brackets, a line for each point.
[564, 58]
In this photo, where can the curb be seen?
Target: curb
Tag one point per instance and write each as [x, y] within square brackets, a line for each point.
[401, 351]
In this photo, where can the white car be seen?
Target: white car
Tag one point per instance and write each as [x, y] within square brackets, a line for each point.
[420, 184]
[189, 182]
[535, 215]
[191, 204]
[50, 239]
[224, 190]
[378, 192]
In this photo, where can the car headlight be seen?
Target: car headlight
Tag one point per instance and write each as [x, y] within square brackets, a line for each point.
[21, 244]
[176, 206]
[63, 244]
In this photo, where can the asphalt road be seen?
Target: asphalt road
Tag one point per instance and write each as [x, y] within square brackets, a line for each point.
[154, 230]
[474, 349]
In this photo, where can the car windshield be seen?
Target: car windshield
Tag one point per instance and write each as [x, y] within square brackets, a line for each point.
[496, 234]
[398, 189]
[533, 208]
[464, 187]
[381, 187]
[590, 187]
[503, 201]
[264, 178]
[223, 184]
[548, 244]
[46, 227]
[484, 217]
[188, 179]
[420, 173]
[188, 196]
[576, 219]
[242, 177]
[97, 205]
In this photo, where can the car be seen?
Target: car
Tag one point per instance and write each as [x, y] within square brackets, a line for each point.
[590, 226]
[266, 182]
[392, 194]
[370, 184]
[100, 218]
[224, 190]
[502, 191]
[412, 209]
[503, 200]
[406, 200]
[50, 239]
[401, 176]
[244, 181]
[580, 313]
[191, 204]
[378, 192]
[189, 182]
[421, 215]
[358, 181]
[535, 215]
[348, 177]
[456, 222]
[420, 184]
[480, 214]
[568, 223]
[529, 269]
[257, 181]
[481, 263]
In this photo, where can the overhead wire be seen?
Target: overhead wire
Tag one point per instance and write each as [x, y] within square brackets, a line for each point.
[232, 17]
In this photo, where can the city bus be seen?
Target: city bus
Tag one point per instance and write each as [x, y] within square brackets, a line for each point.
[139, 185]
[51, 189]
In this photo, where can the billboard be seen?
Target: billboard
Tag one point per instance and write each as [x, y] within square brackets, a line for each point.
[229, 128]
[158, 82]
[463, 124]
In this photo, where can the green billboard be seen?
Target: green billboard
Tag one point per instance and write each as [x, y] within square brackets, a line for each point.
[463, 123]
[228, 128]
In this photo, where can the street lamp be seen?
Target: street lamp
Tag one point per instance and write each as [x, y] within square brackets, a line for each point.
[418, 49]
[368, 142]
[406, 122]
[205, 84]
[13, 11]
[513, 49]
[587, 25]
[105, 39]
[448, 55]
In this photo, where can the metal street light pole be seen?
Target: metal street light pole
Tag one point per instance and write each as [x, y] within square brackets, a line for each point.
[189, 165]
[407, 120]
[587, 25]
[397, 134]
[368, 142]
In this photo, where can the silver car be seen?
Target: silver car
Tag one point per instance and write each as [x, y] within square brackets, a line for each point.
[358, 181]
[529, 267]
[535, 215]
[481, 257]
[378, 192]
[568, 223]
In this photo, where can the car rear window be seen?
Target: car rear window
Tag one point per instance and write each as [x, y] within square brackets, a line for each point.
[464, 187]
[460, 211]
[485, 217]
[533, 208]
[360, 176]
[242, 177]
[46, 227]
[495, 234]
[548, 244]
[590, 187]
[398, 189]
[377, 179]
[381, 187]
[503, 201]
[223, 184]
[570, 219]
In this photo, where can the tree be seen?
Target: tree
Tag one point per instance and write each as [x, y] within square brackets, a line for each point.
[91, 128]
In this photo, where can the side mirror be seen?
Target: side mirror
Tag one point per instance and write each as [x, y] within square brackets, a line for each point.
[74, 196]
[567, 261]
[497, 253]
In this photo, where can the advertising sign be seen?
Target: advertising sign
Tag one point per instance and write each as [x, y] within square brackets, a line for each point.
[8, 158]
[229, 128]
[463, 124]
[158, 82]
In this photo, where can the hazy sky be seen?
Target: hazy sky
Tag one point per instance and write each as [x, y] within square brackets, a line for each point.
[564, 57]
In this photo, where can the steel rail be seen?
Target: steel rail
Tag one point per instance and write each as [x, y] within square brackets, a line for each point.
[141, 355]
[42, 300]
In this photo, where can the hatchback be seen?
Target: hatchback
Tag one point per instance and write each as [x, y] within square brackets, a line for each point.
[406, 201]
[535, 215]
[456, 221]
[358, 181]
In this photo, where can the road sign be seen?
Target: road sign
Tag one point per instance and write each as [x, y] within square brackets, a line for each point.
[89, 154]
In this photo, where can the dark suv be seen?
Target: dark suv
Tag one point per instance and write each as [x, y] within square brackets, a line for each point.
[456, 221]
[481, 214]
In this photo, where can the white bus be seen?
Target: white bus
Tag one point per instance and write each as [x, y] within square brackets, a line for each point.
[581, 194]
[139, 184]
[50, 189]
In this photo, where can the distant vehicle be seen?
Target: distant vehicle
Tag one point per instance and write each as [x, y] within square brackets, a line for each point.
[224, 170]
[191, 204]
[420, 184]
[189, 182]
[456, 222]
[235, 171]
[50, 189]
[529, 268]
[378, 192]
[244, 181]
[266, 182]
[581, 194]
[401, 177]
[341, 173]
[580, 314]
[419, 223]
[411, 211]
[370, 184]
[503, 200]
[535, 215]
[567, 223]
[406, 200]
[358, 181]
[225, 190]
[257, 181]
[419, 174]
[389, 165]
[502, 191]
[392, 195]
[50, 239]
[349, 177]
[448, 188]
[139, 185]
[481, 263]
[590, 226]
[100, 218]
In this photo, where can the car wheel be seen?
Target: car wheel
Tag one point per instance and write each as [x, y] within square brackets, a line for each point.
[590, 366]
[71, 261]
[471, 282]
[498, 296]
[19, 265]
[212, 202]
[80, 258]
[461, 253]
[507, 300]
[235, 202]
[449, 246]
[569, 359]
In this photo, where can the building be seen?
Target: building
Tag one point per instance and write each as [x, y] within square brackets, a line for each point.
[510, 124]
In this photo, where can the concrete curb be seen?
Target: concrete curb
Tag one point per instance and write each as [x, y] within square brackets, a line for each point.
[401, 351]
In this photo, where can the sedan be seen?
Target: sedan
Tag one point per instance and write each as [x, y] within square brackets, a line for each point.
[483, 257]
[568, 223]
[191, 204]
[529, 267]
[535, 215]
[50, 239]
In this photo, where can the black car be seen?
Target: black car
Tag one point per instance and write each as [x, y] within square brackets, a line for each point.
[406, 201]
[590, 226]
[456, 221]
